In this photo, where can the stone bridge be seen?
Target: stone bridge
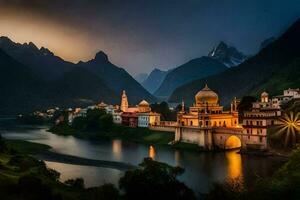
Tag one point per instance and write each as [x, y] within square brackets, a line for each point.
[214, 137]
[219, 137]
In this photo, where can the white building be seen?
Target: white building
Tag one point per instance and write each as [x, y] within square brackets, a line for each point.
[117, 118]
[288, 95]
[143, 119]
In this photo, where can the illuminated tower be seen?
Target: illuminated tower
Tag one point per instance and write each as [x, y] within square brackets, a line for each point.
[264, 97]
[124, 102]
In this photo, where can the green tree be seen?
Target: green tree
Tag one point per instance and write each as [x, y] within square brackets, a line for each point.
[245, 105]
[154, 180]
[2, 144]
[164, 110]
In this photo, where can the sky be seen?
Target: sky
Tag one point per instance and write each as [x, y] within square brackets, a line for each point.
[140, 35]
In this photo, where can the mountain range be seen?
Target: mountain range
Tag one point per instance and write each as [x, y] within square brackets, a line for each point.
[141, 77]
[33, 78]
[163, 83]
[274, 68]
[154, 80]
[192, 70]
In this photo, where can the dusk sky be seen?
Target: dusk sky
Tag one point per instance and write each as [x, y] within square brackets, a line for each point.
[140, 35]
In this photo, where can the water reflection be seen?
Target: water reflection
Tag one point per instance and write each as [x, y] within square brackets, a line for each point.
[151, 152]
[177, 158]
[201, 169]
[93, 176]
[117, 149]
[234, 167]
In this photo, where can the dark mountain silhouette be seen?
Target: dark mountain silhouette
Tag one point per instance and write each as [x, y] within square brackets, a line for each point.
[266, 42]
[20, 87]
[192, 70]
[154, 80]
[42, 61]
[116, 78]
[274, 68]
[22, 90]
[49, 81]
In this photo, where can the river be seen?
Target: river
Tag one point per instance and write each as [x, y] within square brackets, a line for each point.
[201, 169]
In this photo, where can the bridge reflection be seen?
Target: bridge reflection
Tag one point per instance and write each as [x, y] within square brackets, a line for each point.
[151, 152]
[234, 168]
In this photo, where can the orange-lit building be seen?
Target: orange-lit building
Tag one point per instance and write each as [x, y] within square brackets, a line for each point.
[130, 119]
[206, 112]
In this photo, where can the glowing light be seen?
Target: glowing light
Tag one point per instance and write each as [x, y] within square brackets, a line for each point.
[117, 148]
[151, 152]
[233, 142]
[234, 166]
[289, 126]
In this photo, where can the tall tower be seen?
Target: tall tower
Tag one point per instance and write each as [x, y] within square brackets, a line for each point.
[264, 97]
[124, 102]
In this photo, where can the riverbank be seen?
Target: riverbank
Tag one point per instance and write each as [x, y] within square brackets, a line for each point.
[138, 135]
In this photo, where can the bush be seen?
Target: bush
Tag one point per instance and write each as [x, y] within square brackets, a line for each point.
[106, 191]
[75, 183]
[24, 162]
[2, 144]
[155, 180]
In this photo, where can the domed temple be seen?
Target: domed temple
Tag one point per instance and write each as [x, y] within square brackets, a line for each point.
[208, 125]
[207, 112]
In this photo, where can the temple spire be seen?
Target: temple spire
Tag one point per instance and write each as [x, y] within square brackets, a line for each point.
[182, 106]
[124, 102]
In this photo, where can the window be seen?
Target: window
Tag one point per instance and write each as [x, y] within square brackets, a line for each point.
[260, 139]
[191, 123]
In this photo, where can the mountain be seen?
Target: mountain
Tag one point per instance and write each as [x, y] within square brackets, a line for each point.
[79, 87]
[141, 77]
[62, 83]
[266, 42]
[42, 60]
[274, 68]
[20, 87]
[227, 55]
[192, 70]
[116, 78]
[154, 80]
[22, 90]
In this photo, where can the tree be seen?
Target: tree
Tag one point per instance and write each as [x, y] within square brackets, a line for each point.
[164, 110]
[154, 180]
[2, 144]
[77, 183]
[245, 105]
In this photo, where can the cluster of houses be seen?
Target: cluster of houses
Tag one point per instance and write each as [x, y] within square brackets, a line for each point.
[266, 113]
[205, 124]
[137, 116]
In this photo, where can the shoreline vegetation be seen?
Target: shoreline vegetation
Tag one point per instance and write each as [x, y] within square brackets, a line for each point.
[137, 135]
[23, 177]
[30, 178]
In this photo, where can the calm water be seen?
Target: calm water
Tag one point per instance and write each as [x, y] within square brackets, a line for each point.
[201, 169]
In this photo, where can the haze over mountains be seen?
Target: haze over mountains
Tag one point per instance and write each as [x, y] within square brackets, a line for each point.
[59, 83]
[154, 80]
[274, 68]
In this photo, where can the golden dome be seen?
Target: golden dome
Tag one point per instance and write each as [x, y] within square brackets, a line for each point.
[206, 95]
[143, 103]
[264, 94]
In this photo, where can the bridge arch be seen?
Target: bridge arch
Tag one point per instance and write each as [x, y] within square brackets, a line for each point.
[233, 142]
